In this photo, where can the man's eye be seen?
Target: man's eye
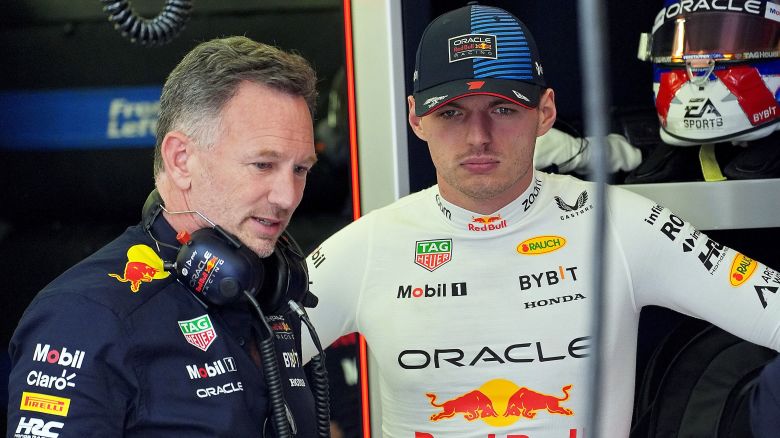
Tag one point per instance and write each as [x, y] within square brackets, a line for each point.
[504, 110]
[263, 166]
[302, 170]
[448, 114]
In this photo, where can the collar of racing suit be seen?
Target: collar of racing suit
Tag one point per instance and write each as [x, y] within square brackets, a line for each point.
[502, 219]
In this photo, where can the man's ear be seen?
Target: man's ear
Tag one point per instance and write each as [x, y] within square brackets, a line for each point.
[414, 120]
[547, 112]
[177, 154]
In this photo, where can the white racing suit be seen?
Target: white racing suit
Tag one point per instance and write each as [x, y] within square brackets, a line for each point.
[481, 324]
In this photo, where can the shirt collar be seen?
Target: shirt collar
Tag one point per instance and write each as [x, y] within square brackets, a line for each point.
[502, 219]
[165, 238]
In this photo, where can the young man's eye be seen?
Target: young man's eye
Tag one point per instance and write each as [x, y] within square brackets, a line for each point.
[263, 166]
[504, 110]
[448, 114]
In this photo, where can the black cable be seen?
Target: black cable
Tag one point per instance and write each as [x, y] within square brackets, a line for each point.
[319, 376]
[321, 394]
[319, 384]
[157, 31]
[280, 415]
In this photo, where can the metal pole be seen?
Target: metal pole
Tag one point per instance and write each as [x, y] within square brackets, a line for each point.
[593, 57]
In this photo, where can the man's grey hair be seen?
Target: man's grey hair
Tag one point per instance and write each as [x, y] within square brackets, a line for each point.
[207, 77]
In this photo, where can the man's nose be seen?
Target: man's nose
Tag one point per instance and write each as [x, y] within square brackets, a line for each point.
[478, 129]
[285, 191]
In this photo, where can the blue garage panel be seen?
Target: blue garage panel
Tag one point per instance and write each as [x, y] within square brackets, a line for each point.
[94, 118]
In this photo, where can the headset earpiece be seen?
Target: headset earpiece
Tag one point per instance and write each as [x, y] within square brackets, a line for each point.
[217, 269]
[297, 273]
[286, 277]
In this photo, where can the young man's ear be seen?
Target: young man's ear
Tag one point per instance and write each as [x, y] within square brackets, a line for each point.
[414, 120]
[177, 153]
[547, 112]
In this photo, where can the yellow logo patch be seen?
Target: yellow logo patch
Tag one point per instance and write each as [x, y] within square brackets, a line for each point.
[742, 268]
[48, 404]
[541, 245]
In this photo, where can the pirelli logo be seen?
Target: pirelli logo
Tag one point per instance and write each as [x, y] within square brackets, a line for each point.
[48, 404]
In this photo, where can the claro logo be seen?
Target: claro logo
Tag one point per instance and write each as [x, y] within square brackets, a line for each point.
[742, 268]
[541, 245]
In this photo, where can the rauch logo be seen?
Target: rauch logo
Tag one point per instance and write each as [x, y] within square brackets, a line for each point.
[742, 268]
[541, 245]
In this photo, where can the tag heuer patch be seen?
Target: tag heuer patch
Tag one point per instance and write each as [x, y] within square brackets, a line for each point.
[430, 254]
[198, 331]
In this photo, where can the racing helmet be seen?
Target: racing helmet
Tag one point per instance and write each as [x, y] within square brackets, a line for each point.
[716, 70]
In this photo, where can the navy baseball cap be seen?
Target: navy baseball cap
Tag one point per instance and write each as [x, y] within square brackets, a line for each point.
[476, 50]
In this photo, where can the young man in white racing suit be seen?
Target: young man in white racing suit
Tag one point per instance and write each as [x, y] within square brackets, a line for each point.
[475, 295]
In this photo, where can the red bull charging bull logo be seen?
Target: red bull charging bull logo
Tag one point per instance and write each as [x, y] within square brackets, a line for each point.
[143, 265]
[501, 402]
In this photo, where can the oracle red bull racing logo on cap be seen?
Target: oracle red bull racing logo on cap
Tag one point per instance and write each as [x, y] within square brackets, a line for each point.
[431, 254]
[199, 331]
[500, 402]
[541, 245]
[143, 265]
[742, 268]
[475, 45]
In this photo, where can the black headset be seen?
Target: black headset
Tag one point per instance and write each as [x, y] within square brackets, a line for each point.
[218, 268]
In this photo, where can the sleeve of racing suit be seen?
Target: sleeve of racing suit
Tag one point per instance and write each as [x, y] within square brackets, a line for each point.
[337, 271]
[674, 265]
[70, 376]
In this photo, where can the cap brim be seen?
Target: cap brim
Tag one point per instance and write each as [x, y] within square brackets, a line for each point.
[520, 93]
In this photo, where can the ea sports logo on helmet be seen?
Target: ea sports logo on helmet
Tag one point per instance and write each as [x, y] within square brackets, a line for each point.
[734, 103]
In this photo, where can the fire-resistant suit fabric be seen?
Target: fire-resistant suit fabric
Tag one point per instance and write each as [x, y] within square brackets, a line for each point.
[116, 347]
[480, 325]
